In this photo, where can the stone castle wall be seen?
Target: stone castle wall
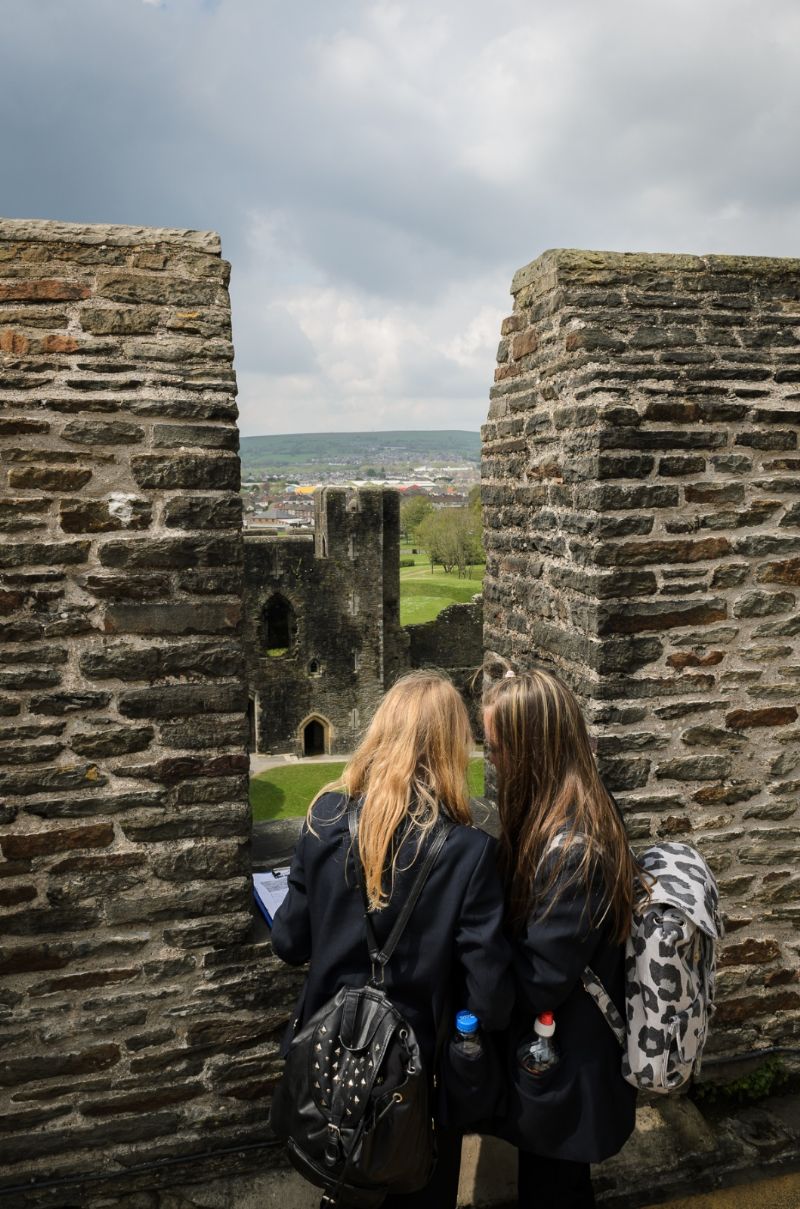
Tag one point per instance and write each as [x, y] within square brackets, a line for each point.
[137, 1025]
[642, 517]
[342, 585]
[453, 643]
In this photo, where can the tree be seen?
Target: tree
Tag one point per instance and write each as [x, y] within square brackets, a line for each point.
[452, 538]
[412, 512]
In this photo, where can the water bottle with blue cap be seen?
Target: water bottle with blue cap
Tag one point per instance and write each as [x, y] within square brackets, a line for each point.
[467, 1040]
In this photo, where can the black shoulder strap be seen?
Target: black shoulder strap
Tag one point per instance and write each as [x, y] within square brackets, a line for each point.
[379, 957]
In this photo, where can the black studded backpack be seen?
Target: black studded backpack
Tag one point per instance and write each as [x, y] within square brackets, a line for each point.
[352, 1104]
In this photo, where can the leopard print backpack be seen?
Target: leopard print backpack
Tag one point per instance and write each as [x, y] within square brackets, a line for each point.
[670, 960]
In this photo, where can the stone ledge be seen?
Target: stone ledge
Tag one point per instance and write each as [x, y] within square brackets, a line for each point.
[574, 260]
[45, 231]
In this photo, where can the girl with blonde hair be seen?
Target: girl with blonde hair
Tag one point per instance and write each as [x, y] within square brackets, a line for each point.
[409, 772]
[569, 884]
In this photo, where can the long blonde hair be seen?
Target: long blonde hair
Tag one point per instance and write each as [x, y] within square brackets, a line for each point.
[548, 785]
[411, 764]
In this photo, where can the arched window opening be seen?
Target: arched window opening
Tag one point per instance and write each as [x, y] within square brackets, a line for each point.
[314, 738]
[313, 667]
[278, 626]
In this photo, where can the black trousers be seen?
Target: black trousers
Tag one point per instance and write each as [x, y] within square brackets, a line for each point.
[553, 1183]
[441, 1191]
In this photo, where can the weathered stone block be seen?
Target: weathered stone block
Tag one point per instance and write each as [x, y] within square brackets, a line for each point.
[203, 512]
[47, 554]
[181, 700]
[206, 436]
[763, 604]
[20, 1070]
[103, 432]
[694, 768]
[102, 516]
[68, 703]
[46, 843]
[778, 715]
[661, 616]
[127, 586]
[170, 553]
[730, 575]
[119, 321]
[784, 572]
[112, 741]
[679, 466]
[163, 619]
[714, 493]
[128, 661]
[42, 290]
[49, 478]
[637, 554]
[155, 288]
[211, 472]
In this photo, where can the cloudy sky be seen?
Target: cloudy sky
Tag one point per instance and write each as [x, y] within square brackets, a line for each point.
[379, 168]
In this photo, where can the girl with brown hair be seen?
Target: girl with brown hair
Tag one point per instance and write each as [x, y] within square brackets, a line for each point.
[409, 771]
[569, 878]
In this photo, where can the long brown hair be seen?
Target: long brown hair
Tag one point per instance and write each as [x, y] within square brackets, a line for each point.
[411, 764]
[548, 786]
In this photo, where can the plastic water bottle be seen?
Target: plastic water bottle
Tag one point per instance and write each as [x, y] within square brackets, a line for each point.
[539, 1053]
[467, 1040]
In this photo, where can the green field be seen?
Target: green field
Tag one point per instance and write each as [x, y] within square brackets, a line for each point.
[423, 595]
[285, 792]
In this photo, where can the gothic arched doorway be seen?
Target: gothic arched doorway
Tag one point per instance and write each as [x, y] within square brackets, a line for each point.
[315, 736]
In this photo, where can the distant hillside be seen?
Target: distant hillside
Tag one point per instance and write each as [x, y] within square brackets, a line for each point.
[293, 451]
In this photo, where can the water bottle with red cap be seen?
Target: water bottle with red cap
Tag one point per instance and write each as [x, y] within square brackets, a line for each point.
[539, 1053]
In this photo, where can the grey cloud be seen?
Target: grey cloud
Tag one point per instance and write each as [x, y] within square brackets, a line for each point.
[412, 153]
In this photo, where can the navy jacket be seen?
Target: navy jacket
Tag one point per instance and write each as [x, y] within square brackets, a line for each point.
[453, 953]
[583, 1110]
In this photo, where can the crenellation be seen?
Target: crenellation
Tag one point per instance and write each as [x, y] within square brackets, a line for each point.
[691, 431]
[125, 827]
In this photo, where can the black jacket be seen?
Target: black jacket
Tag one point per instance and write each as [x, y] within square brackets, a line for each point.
[583, 1110]
[453, 953]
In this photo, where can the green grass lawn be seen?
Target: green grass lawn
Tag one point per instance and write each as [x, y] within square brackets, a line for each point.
[285, 792]
[423, 595]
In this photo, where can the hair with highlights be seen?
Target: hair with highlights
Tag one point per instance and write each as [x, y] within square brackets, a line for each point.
[411, 764]
[548, 785]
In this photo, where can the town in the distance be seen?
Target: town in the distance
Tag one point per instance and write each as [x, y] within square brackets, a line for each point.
[280, 473]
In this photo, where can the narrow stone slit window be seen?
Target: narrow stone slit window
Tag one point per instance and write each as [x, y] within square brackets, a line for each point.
[278, 625]
[252, 724]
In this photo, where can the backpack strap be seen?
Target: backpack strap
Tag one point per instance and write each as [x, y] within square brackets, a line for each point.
[594, 987]
[379, 957]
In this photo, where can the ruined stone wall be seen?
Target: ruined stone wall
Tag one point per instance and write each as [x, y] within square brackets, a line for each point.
[642, 513]
[136, 1023]
[346, 644]
[453, 642]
